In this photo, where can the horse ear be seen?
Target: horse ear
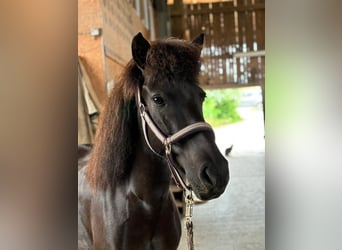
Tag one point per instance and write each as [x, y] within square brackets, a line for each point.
[140, 46]
[199, 40]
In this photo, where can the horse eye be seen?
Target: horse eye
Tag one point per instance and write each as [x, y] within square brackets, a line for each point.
[158, 100]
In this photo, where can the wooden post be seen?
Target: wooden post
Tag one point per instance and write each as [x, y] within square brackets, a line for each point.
[177, 15]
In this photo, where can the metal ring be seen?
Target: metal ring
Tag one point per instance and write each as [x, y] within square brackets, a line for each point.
[168, 148]
[142, 108]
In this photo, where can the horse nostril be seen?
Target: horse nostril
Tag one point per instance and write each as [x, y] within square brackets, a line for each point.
[206, 176]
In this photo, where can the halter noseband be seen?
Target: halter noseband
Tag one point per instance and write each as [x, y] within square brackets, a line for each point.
[168, 140]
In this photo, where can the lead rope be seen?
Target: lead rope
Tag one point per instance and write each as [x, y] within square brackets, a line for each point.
[189, 202]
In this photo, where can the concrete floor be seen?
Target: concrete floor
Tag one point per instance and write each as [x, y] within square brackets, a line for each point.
[236, 220]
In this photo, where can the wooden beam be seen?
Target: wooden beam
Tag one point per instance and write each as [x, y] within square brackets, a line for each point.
[228, 9]
[229, 85]
[250, 54]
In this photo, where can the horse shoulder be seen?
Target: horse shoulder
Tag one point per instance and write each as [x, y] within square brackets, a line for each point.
[102, 216]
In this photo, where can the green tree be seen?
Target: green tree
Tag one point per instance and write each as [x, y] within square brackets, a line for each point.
[220, 107]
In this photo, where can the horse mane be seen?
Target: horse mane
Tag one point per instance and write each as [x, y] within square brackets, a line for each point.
[114, 146]
[114, 142]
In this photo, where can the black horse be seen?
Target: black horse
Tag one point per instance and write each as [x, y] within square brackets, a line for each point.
[152, 116]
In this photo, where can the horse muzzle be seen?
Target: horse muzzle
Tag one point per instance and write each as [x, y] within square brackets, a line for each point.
[213, 179]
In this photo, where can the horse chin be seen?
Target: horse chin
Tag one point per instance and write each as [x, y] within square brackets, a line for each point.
[205, 196]
[204, 193]
[200, 192]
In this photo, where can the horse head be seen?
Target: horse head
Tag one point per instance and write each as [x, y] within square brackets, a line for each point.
[173, 99]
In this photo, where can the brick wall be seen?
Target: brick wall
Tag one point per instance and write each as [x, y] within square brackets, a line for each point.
[109, 18]
[89, 49]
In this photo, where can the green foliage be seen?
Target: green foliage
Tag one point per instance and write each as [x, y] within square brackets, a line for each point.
[220, 107]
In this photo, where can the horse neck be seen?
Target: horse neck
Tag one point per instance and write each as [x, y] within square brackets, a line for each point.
[150, 176]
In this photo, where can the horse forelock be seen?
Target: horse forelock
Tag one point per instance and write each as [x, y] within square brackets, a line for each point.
[114, 146]
[172, 59]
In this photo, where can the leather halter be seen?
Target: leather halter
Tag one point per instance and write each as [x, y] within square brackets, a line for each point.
[168, 140]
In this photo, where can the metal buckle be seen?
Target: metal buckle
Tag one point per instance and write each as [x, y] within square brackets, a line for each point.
[189, 202]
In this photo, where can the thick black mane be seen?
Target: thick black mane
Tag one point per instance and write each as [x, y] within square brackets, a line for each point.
[117, 133]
